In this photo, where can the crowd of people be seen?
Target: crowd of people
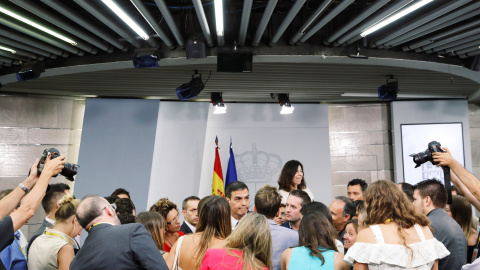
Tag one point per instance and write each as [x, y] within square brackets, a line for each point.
[376, 226]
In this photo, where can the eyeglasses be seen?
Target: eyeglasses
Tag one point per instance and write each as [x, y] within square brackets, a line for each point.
[173, 220]
[113, 205]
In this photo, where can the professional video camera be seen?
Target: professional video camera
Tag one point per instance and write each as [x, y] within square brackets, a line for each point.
[69, 170]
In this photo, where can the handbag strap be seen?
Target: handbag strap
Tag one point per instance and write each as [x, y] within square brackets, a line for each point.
[176, 260]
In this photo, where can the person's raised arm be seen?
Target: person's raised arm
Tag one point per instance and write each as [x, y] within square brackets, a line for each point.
[33, 199]
[468, 179]
[465, 191]
[11, 201]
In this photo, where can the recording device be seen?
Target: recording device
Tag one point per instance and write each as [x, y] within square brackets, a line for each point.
[69, 170]
[425, 156]
[422, 157]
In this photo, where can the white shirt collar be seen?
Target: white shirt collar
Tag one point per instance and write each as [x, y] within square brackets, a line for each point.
[234, 223]
[190, 226]
[51, 221]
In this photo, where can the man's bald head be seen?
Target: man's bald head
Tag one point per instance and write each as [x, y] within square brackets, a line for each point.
[89, 209]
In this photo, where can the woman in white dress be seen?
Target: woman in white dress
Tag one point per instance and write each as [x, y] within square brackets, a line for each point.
[291, 178]
[395, 236]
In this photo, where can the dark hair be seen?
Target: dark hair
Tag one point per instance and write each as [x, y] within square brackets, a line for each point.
[5, 192]
[163, 207]
[214, 221]
[360, 182]
[317, 241]
[111, 199]
[234, 186]
[126, 218]
[267, 201]
[120, 191]
[317, 207]
[124, 206]
[51, 198]
[288, 172]
[354, 222]
[359, 205]
[191, 198]
[435, 190]
[408, 190]
[349, 208]
[302, 195]
[58, 187]
[91, 211]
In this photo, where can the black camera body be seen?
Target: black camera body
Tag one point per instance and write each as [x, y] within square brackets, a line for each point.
[69, 170]
[422, 157]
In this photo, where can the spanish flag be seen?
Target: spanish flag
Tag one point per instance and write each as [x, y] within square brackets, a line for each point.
[217, 185]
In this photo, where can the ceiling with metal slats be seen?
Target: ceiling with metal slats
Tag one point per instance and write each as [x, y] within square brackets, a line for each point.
[315, 50]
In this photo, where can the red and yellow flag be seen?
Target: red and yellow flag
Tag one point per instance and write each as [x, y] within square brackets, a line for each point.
[217, 185]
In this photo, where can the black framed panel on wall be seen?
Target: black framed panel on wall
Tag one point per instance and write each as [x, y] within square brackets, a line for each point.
[416, 137]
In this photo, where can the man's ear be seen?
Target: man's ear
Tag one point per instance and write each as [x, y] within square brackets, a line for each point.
[254, 209]
[278, 213]
[184, 212]
[346, 218]
[427, 201]
[228, 199]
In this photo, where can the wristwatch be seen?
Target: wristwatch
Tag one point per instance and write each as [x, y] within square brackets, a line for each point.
[22, 186]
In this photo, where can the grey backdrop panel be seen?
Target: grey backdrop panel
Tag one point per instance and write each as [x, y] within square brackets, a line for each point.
[428, 112]
[116, 150]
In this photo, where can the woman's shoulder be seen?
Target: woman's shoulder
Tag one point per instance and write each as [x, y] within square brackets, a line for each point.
[366, 236]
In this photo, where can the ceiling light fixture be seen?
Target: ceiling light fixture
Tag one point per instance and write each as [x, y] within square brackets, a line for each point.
[8, 49]
[285, 103]
[219, 17]
[126, 19]
[218, 106]
[36, 25]
[388, 20]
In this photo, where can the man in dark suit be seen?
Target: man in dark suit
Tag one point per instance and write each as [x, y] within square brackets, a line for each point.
[189, 211]
[109, 246]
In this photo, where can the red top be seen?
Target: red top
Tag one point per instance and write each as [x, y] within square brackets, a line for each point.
[219, 259]
[166, 247]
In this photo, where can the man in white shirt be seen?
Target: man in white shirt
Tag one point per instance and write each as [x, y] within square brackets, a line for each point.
[238, 197]
[190, 213]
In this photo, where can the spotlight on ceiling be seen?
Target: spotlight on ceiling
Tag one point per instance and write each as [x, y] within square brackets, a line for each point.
[388, 90]
[191, 89]
[30, 71]
[146, 58]
[218, 106]
[285, 103]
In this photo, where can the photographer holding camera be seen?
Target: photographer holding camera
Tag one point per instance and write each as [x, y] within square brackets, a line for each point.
[31, 191]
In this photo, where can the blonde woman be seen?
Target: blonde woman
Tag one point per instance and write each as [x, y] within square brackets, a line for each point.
[155, 225]
[212, 228]
[54, 248]
[249, 247]
[394, 236]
